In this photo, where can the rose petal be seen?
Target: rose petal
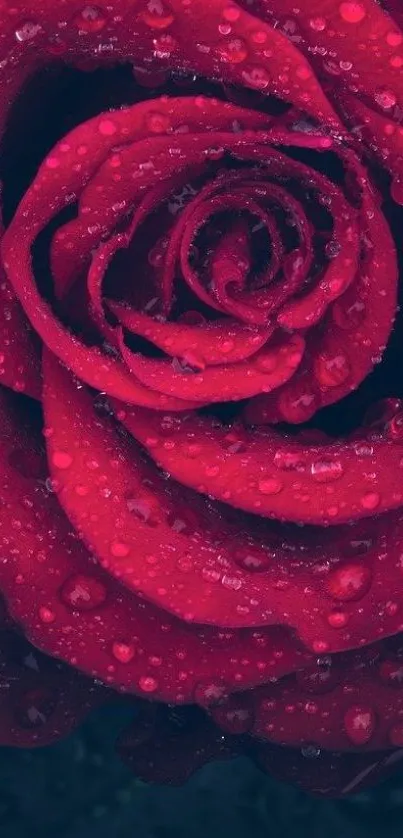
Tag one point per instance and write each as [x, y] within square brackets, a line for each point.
[268, 369]
[346, 703]
[40, 700]
[69, 607]
[277, 476]
[211, 343]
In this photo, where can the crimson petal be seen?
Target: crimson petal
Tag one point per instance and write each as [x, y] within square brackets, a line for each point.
[268, 369]
[214, 569]
[349, 703]
[71, 609]
[273, 475]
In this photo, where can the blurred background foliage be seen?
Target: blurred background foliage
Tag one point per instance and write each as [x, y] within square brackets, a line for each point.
[79, 788]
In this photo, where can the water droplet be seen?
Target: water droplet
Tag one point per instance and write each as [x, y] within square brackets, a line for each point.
[210, 692]
[256, 77]
[107, 127]
[148, 684]
[394, 38]
[318, 24]
[385, 98]
[27, 31]
[123, 652]
[310, 751]
[253, 559]
[370, 501]
[391, 673]
[157, 15]
[234, 50]
[289, 461]
[348, 317]
[83, 593]
[332, 370]
[119, 549]
[164, 46]
[270, 486]
[157, 123]
[91, 19]
[349, 582]
[61, 459]
[359, 723]
[231, 13]
[143, 510]
[46, 615]
[352, 12]
[337, 619]
[325, 471]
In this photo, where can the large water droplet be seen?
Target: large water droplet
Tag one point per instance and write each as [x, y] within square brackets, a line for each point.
[310, 751]
[148, 684]
[349, 582]
[233, 50]
[352, 12]
[210, 692]
[325, 471]
[157, 14]
[83, 593]
[61, 459]
[359, 723]
[332, 370]
[256, 77]
[28, 31]
[270, 486]
[91, 19]
[123, 652]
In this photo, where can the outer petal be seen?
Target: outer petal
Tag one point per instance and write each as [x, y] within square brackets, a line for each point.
[209, 567]
[350, 703]
[40, 700]
[69, 607]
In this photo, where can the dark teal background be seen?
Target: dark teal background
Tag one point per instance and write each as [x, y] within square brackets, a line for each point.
[80, 789]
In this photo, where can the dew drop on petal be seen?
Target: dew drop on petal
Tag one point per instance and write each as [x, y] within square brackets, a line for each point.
[256, 78]
[83, 593]
[123, 652]
[119, 549]
[385, 98]
[326, 471]
[90, 19]
[370, 501]
[46, 615]
[61, 459]
[310, 751]
[359, 724]
[210, 693]
[27, 31]
[352, 12]
[148, 684]
[332, 370]
[349, 581]
[270, 486]
[233, 51]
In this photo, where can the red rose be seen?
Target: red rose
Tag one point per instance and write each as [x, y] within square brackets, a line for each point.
[206, 256]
